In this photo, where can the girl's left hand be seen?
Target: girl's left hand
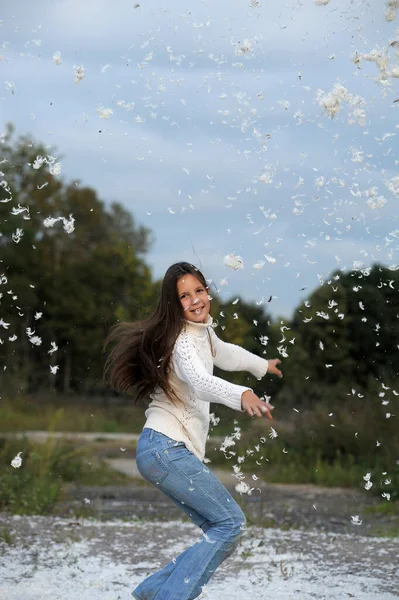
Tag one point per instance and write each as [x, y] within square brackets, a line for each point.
[272, 368]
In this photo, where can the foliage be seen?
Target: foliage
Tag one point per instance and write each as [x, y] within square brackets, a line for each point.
[37, 486]
[67, 288]
[324, 447]
[344, 337]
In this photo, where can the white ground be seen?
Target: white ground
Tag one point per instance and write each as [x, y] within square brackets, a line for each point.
[63, 559]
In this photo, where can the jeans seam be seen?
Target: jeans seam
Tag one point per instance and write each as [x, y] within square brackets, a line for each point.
[172, 462]
[209, 497]
[220, 544]
[189, 477]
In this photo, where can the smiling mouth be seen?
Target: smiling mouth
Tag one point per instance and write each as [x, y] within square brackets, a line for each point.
[197, 311]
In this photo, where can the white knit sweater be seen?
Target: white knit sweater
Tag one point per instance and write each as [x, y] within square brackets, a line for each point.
[192, 378]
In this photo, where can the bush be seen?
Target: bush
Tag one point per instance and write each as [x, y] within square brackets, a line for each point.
[314, 447]
[32, 488]
[37, 486]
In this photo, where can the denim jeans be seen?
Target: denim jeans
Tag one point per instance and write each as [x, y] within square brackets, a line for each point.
[168, 465]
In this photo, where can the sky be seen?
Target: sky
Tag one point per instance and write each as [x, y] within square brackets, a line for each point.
[265, 130]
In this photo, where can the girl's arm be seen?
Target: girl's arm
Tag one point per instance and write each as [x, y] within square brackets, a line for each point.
[231, 357]
[190, 369]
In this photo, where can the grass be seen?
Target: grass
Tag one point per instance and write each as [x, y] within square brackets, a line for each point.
[307, 451]
[387, 509]
[388, 531]
[37, 486]
[27, 414]
[297, 457]
[24, 414]
[275, 466]
[6, 536]
[389, 528]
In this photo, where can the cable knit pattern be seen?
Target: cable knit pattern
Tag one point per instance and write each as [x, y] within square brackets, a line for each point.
[197, 373]
[192, 378]
[230, 357]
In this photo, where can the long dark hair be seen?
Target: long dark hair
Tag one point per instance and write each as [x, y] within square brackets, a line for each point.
[139, 361]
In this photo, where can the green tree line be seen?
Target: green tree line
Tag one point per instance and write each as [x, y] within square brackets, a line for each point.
[66, 288]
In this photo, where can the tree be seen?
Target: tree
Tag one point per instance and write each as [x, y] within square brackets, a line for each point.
[64, 288]
[345, 336]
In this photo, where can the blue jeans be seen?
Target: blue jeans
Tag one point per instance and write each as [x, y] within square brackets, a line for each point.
[195, 490]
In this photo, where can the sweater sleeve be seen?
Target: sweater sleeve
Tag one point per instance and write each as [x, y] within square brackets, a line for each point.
[231, 357]
[190, 369]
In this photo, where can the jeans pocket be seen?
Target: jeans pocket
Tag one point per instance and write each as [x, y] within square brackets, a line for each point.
[151, 467]
[184, 460]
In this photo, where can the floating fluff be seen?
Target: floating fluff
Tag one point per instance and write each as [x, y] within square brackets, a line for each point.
[233, 261]
[50, 161]
[393, 185]
[334, 100]
[270, 259]
[104, 113]
[244, 48]
[391, 10]
[259, 265]
[377, 202]
[69, 226]
[55, 169]
[17, 236]
[242, 487]
[79, 73]
[38, 162]
[57, 58]
[17, 461]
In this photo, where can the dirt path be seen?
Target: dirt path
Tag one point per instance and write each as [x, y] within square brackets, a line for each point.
[269, 505]
[88, 436]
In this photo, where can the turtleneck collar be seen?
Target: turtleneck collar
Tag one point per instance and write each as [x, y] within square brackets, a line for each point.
[198, 329]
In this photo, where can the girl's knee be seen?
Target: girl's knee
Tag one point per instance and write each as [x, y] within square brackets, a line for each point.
[236, 531]
[241, 527]
[238, 524]
[241, 519]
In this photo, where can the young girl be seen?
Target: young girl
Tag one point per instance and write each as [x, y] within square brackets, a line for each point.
[170, 357]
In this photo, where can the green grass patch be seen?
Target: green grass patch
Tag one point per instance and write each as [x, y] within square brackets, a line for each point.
[275, 466]
[389, 531]
[388, 509]
[22, 414]
[33, 414]
[6, 536]
[37, 485]
[313, 454]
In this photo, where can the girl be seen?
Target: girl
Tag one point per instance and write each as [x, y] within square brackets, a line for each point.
[170, 357]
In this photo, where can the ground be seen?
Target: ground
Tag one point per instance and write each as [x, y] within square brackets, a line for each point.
[52, 558]
[303, 542]
[270, 505]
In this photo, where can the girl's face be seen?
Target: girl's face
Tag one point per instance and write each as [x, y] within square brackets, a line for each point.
[193, 298]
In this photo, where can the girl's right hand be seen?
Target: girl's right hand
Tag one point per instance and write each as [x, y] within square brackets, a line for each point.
[253, 405]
